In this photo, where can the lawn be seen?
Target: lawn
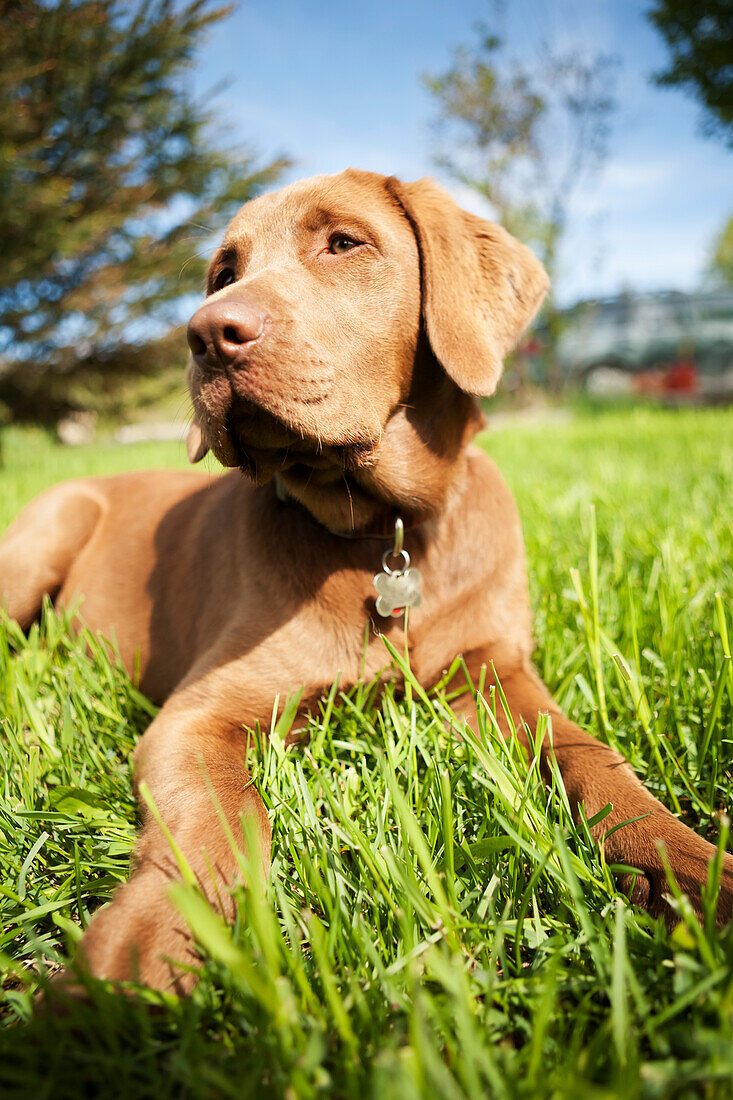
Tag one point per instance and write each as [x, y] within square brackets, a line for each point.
[434, 924]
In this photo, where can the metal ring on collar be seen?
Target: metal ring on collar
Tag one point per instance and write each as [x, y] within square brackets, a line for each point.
[391, 554]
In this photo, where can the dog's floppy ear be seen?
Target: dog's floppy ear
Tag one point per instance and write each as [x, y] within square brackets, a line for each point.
[480, 286]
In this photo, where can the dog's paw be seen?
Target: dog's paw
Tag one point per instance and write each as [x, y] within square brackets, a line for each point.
[689, 859]
[139, 937]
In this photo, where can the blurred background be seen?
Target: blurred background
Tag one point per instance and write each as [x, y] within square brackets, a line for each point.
[601, 133]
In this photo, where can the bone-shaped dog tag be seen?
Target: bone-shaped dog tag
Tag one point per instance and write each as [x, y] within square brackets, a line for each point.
[397, 588]
[397, 591]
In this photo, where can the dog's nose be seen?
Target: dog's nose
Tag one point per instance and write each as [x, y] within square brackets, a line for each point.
[219, 331]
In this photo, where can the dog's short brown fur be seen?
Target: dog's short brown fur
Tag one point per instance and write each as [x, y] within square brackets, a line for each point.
[351, 323]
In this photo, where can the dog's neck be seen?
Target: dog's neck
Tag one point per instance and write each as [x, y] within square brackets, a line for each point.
[382, 527]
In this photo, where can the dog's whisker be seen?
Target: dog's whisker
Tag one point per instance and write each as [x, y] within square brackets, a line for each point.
[351, 502]
[190, 260]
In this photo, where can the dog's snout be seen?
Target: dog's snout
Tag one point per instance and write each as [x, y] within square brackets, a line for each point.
[220, 331]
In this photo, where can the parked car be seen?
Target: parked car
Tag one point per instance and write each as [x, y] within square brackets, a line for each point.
[675, 344]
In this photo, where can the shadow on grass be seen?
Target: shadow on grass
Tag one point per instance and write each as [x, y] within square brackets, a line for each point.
[113, 1045]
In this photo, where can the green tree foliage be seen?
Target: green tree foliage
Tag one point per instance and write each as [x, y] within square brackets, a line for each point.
[722, 260]
[111, 177]
[699, 34]
[524, 135]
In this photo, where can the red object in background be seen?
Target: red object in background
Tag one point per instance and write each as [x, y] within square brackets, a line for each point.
[682, 377]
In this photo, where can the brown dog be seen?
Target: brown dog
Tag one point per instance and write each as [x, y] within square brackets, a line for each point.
[350, 324]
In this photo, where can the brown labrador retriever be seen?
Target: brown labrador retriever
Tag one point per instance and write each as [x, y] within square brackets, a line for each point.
[351, 323]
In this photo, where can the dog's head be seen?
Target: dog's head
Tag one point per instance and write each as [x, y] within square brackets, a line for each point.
[350, 325]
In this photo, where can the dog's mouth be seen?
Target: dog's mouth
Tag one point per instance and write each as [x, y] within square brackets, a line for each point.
[265, 445]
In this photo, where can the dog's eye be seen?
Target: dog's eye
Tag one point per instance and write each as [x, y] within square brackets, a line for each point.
[341, 243]
[224, 278]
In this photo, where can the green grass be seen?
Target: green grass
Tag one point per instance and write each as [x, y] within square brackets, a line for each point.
[434, 924]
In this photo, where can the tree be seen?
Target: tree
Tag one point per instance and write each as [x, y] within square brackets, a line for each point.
[110, 177]
[700, 38]
[699, 34]
[525, 135]
[721, 265]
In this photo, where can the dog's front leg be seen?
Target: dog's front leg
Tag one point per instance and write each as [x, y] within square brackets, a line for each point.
[192, 761]
[595, 775]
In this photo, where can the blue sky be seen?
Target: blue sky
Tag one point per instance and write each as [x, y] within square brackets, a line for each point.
[339, 84]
